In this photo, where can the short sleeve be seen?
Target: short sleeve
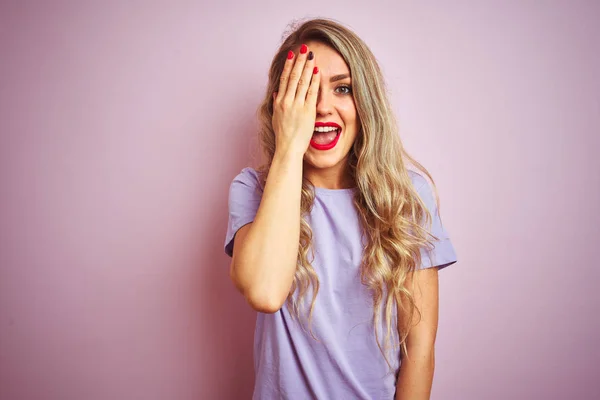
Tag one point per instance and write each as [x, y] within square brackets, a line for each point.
[244, 199]
[443, 253]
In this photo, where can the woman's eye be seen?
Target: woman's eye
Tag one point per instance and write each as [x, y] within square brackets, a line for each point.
[347, 89]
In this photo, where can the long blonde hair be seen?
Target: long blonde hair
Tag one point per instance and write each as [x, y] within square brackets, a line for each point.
[390, 210]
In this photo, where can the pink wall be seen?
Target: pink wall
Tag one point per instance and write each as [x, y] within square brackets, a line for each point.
[123, 125]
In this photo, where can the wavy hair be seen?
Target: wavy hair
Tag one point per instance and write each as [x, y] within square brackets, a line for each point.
[394, 220]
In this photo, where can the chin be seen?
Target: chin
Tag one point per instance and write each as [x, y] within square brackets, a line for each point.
[323, 161]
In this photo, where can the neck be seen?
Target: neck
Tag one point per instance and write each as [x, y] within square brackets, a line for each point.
[335, 177]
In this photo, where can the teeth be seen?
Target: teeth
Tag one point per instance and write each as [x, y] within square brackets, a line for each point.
[325, 129]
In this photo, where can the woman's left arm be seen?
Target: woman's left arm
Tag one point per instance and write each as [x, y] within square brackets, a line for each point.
[416, 373]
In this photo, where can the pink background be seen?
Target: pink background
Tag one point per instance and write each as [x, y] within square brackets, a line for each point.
[122, 126]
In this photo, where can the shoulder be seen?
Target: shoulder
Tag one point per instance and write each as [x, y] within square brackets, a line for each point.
[245, 185]
[247, 174]
[424, 190]
[419, 182]
[247, 177]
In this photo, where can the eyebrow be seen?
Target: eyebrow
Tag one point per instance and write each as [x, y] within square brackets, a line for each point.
[339, 77]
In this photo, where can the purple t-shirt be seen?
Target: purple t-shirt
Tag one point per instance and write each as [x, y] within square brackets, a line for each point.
[345, 362]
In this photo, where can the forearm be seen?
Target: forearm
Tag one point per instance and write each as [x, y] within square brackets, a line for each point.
[266, 263]
[416, 376]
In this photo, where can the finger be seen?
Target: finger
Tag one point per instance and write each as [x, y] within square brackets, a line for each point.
[287, 67]
[313, 89]
[295, 74]
[304, 81]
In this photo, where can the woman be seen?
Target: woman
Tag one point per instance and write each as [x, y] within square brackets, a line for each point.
[337, 242]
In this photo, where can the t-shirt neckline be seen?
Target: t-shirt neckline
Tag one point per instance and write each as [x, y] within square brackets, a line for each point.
[332, 192]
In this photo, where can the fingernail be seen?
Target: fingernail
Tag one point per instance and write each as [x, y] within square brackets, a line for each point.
[290, 55]
[310, 55]
[315, 70]
[303, 49]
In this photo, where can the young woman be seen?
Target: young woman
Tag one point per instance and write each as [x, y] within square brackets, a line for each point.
[335, 241]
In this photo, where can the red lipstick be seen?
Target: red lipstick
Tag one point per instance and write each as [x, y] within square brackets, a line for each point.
[329, 145]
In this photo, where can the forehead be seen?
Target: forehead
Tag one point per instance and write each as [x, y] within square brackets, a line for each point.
[329, 61]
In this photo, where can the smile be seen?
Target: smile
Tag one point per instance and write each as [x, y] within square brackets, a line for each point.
[325, 136]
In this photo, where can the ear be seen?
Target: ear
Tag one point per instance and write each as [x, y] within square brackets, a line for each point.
[274, 95]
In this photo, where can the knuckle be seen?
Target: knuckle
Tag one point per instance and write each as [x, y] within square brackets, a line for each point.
[294, 75]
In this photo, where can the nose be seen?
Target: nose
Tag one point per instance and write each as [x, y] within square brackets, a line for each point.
[324, 103]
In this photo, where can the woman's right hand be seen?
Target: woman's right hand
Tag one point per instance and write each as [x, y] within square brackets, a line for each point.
[295, 103]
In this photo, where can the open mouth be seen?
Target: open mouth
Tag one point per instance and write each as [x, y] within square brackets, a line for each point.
[325, 140]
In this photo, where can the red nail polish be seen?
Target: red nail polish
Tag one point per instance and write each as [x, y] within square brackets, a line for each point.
[303, 49]
[290, 55]
[315, 70]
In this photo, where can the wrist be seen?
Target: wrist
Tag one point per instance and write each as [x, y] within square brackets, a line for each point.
[288, 154]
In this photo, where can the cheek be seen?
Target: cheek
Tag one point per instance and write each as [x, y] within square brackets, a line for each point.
[347, 111]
